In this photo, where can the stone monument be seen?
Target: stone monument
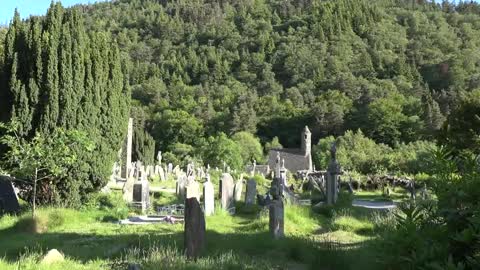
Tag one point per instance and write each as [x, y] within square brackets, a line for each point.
[251, 192]
[208, 197]
[333, 173]
[194, 234]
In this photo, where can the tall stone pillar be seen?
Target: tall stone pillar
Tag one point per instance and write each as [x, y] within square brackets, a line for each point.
[333, 173]
[128, 163]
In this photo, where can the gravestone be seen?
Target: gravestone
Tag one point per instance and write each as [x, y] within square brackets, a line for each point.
[128, 189]
[8, 197]
[227, 189]
[193, 190]
[238, 190]
[194, 234]
[251, 192]
[276, 219]
[141, 195]
[208, 198]
[333, 173]
[180, 186]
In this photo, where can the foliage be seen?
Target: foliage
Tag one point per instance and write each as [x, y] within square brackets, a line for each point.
[357, 153]
[221, 151]
[391, 68]
[461, 131]
[43, 158]
[251, 149]
[58, 74]
[443, 234]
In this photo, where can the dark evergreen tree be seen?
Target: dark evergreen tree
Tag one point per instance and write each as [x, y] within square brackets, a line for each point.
[57, 75]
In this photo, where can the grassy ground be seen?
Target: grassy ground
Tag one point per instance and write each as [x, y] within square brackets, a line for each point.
[396, 195]
[337, 239]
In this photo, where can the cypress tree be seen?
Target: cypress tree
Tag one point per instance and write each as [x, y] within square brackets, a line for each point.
[58, 76]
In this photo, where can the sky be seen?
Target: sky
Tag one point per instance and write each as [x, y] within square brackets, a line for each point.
[30, 7]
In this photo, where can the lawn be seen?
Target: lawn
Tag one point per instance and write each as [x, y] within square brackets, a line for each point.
[340, 238]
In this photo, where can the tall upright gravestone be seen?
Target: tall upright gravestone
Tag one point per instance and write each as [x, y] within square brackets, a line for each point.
[251, 192]
[208, 198]
[227, 191]
[276, 219]
[180, 186]
[194, 234]
[276, 207]
[193, 190]
[333, 173]
[238, 190]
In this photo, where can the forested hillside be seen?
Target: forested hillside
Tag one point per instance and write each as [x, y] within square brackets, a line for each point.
[393, 69]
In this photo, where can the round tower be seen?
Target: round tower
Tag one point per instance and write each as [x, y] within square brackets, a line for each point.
[306, 141]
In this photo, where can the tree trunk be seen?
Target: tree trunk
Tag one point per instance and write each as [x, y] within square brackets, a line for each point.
[34, 192]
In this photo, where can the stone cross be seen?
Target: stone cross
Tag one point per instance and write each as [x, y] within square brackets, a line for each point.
[276, 219]
[227, 191]
[194, 234]
[277, 166]
[333, 173]
[251, 192]
[208, 197]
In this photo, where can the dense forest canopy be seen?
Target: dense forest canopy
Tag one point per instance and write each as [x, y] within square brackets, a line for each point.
[394, 69]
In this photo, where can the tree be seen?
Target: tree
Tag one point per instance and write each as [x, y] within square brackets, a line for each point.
[330, 110]
[56, 75]
[251, 148]
[221, 149]
[43, 157]
[461, 131]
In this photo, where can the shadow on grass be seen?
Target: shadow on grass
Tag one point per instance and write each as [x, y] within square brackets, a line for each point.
[87, 247]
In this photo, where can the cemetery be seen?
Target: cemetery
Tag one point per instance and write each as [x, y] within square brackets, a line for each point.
[240, 134]
[197, 217]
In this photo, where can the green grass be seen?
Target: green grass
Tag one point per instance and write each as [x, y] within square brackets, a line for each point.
[396, 195]
[241, 241]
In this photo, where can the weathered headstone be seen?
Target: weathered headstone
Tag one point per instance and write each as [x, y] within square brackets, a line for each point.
[194, 235]
[8, 197]
[238, 190]
[180, 186]
[276, 219]
[208, 198]
[251, 192]
[193, 190]
[128, 189]
[227, 189]
[141, 194]
[333, 173]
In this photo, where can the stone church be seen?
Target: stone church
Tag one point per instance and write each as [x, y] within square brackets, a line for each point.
[295, 159]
